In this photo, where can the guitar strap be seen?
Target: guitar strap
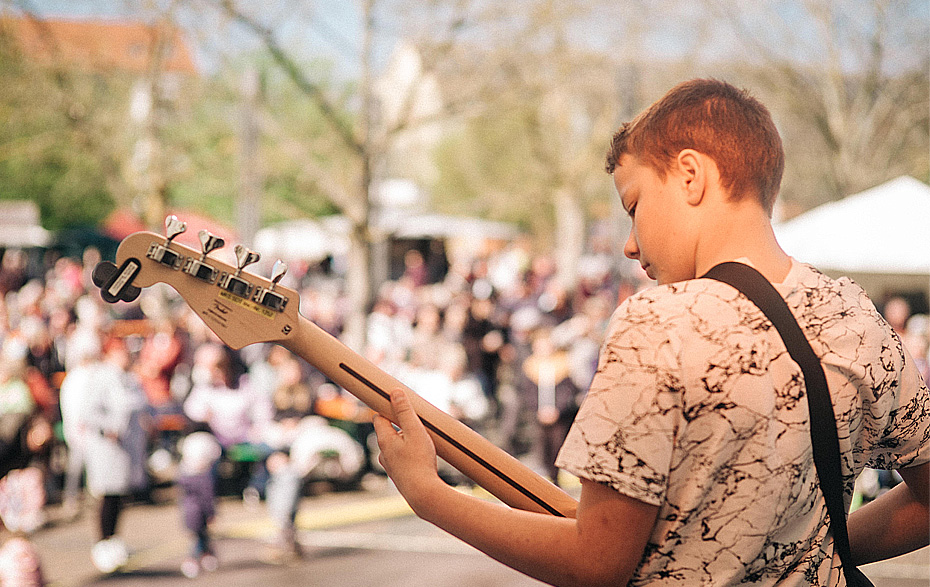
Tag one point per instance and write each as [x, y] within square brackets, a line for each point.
[826, 447]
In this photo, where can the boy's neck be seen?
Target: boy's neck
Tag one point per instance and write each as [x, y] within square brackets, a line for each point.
[743, 231]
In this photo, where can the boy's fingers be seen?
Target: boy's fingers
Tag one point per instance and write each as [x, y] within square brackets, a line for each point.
[403, 410]
[382, 425]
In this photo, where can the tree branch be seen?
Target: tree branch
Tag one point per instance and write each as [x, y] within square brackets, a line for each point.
[332, 115]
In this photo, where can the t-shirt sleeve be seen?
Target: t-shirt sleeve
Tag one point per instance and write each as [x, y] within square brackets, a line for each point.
[625, 431]
[904, 417]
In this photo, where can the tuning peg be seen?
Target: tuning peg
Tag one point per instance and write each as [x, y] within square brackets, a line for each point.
[209, 243]
[201, 269]
[160, 252]
[235, 284]
[278, 270]
[174, 227]
[245, 257]
[267, 296]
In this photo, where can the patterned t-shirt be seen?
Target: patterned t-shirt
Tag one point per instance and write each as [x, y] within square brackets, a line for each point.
[696, 407]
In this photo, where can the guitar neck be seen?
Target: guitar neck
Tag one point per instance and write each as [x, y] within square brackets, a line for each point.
[487, 465]
[243, 309]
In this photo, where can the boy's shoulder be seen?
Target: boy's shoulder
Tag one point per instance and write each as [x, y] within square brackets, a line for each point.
[683, 300]
[693, 304]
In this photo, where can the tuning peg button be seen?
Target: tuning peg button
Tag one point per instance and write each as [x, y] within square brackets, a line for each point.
[174, 227]
[209, 242]
[245, 257]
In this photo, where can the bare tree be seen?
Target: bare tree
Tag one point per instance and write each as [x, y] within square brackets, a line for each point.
[849, 83]
[485, 56]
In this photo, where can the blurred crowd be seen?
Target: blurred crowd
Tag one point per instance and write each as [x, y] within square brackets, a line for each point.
[104, 403]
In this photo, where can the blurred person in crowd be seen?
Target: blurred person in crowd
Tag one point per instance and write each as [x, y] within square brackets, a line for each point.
[17, 406]
[692, 444]
[465, 399]
[427, 339]
[43, 366]
[516, 423]
[223, 400]
[482, 339]
[113, 410]
[89, 317]
[292, 401]
[415, 269]
[382, 336]
[20, 564]
[582, 336]
[65, 280]
[917, 340]
[319, 451]
[197, 498]
[161, 353]
[76, 388]
[448, 384]
[549, 392]
[284, 492]
[13, 271]
[299, 441]
[22, 500]
[896, 311]
[27, 302]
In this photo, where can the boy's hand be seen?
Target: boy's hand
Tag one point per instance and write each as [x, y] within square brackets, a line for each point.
[407, 455]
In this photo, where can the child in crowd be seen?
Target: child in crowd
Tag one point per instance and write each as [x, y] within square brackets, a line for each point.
[19, 564]
[197, 484]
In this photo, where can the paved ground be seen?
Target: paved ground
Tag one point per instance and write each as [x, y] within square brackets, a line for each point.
[358, 538]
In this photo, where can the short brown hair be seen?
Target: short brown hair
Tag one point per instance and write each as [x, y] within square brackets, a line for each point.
[714, 118]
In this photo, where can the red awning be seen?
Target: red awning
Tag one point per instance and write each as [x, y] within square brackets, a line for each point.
[122, 222]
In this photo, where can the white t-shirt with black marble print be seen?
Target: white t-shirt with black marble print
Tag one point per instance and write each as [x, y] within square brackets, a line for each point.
[696, 407]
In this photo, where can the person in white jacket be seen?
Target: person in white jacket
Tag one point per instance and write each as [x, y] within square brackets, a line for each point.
[112, 409]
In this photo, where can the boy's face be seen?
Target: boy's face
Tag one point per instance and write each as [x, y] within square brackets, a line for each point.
[661, 239]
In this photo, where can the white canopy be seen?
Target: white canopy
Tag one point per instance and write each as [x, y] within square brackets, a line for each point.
[885, 229]
[302, 239]
[313, 240]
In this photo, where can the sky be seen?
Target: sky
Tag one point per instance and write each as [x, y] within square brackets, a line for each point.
[337, 26]
[336, 29]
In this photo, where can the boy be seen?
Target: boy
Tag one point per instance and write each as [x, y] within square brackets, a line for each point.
[692, 445]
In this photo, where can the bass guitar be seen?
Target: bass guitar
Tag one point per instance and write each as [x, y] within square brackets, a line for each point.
[242, 309]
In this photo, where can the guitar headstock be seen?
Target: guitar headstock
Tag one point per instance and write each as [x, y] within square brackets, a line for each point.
[241, 308]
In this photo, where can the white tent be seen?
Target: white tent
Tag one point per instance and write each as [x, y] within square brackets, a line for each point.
[881, 232]
[313, 240]
[19, 225]
[301, 239]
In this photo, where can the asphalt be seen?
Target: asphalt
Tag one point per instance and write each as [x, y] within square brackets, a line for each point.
[345, 522]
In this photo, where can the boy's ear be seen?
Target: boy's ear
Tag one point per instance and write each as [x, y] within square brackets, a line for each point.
[693, 167]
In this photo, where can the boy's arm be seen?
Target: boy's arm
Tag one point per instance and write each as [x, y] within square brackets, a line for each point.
[895, 523]
[603, 545]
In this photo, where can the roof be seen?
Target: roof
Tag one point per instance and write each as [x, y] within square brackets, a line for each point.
[100, 44]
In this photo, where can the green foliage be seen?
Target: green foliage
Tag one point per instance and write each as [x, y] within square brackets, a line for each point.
[490, 169]
[40, 157]
[207, 152]
[65, 185]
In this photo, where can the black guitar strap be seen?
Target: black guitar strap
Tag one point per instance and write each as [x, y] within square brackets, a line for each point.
[826, 446]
